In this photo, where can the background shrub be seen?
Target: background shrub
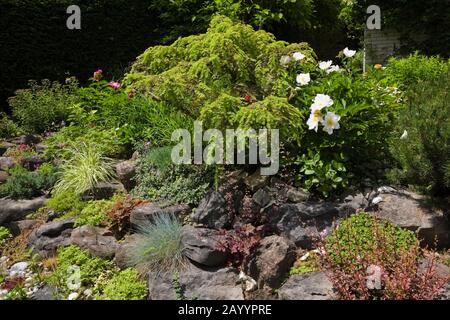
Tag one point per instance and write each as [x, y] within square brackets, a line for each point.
[424, 154]
[415, 68]
[43, 106]
[8, 128]
[24, 184]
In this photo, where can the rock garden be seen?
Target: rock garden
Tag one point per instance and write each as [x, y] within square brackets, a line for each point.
[92, 206]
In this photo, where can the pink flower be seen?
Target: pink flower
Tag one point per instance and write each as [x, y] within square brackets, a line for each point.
[114, 84]
[132, 93]
[98, 74]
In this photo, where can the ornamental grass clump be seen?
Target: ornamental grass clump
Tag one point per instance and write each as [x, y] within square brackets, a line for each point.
[84, 171]
[158, 246]
[369, 259]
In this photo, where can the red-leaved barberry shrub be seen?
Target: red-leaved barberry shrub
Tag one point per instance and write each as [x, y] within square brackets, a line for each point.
[367, 259]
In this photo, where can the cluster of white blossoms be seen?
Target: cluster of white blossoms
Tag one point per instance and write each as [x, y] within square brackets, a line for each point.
[328, 66]
[297, 56]
[331, 120]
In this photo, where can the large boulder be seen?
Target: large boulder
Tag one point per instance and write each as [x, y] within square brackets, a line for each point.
[126, 170]
[98, 241]
[414, 212]
[302, 222]
[213, 211]
[48, 237]
[307, 286]
[121, 255]
[147, 211]
[18, 227]
[14, 210]
[270, 261]
[199, 284]
[201, 246]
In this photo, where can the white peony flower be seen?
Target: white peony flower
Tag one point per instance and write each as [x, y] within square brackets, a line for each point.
[324, 65]
[349, 53]
[321, 101]
[284, 60]
[298, 56]
[331, 122]
[303, 79]
[314, 119]
[404, 135]
[333, 69]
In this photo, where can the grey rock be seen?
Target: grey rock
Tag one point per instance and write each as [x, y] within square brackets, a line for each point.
[19, 267]
[13, 210]
[198, 284]
[444, 294]
[354, 203]
[161, 286]
[28, 139]
[40, 147]
[147, 211]
[413, 211]
[103, 190]
[294, 195]
[121, 255]
[302, 222]
[201, 246]
[17, 227]
[213, 211]
[270, 261]
[262, 197]
[48, 237]
[307, 286]
[98, 241]
[256, 181]
[126, 170]
[7, 163]
[46, 292]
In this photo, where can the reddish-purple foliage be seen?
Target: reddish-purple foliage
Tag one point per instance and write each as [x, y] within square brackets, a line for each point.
[239, 242]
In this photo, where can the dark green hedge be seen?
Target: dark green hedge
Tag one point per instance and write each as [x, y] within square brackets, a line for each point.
[35, 42]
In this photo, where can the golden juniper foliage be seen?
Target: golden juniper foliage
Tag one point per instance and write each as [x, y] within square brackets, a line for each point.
[208, 76]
